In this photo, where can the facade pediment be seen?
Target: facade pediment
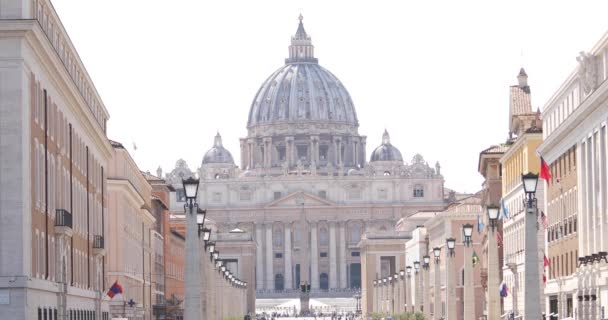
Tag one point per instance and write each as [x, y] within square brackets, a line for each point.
[298, 198]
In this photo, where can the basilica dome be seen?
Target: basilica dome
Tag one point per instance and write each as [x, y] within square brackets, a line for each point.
[386, 151]
[302, 91]
[217, 153]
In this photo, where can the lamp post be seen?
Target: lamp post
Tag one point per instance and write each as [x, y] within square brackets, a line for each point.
[493, 267]
[408, 286]
[426, 285]
[469, 303]
[437, 285]
[384, 294]
[391, 294]
[450, 299]
[375, 306]
[403, 300]
[417, 287]
[532, 277]
[192, 309]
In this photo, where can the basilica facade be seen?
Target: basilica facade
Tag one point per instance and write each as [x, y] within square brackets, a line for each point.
[304, 189]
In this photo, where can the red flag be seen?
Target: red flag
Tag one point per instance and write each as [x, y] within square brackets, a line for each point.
[544, 278]
[499, 238]
[545, 172]
[115, 289]
[546, 262]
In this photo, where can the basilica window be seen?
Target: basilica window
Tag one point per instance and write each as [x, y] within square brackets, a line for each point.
[418, 191]
[323, 236]
[322, 194]
[245, 195]
[217, 197]
[302, 152]
[323, 151]
[277, 195]
[281, 153]
[277, 239]
[355, 233]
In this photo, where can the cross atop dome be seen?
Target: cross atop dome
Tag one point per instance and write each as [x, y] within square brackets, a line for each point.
[301, 49]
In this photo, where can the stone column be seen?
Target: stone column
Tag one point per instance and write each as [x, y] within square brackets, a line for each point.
[426, 275]
[493, 278]
[416, 291]
[333, 276]
[342, 253]
[314, 257]
[259, 256]
[406, 293]
[450, 297]
[269, 258]
[192, 301]
[437, 292]
[287, 258]
[469, 303]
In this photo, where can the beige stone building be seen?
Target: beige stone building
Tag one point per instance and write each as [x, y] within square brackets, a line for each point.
[54, 158]
[575, 135]
[131, 225]
[305, 190]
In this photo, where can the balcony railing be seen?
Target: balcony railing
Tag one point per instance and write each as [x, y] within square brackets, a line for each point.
[98, 242]
[63, 218]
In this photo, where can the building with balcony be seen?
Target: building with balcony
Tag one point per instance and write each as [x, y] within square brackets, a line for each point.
[574, 146]
[54, 160]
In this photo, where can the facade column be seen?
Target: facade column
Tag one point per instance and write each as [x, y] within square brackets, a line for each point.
[269, 258]
[259, 256]
[375, 299]
[416, 292]
[469, 303]
[406, 293]
[287, 257]
[314, 257]
[333, 277]
[342, 253]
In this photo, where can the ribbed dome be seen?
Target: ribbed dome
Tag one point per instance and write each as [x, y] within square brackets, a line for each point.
[302, 91]
[386, 151]
[218, 154]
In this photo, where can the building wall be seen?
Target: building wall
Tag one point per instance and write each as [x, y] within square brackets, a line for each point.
[131, 223]
[54, 156]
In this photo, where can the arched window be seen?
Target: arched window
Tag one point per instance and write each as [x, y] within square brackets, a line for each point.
[387, 173]
[418, 191]
[279, 282]
[323, 236]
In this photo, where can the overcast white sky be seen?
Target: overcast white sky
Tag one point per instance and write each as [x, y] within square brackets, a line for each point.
[434, 73]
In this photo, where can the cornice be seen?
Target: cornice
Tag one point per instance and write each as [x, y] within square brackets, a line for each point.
[37, 40]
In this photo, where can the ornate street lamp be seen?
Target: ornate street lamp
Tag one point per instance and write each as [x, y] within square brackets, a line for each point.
[200, 221]
[402, 273]
[214, 255]
[193, 258]
[467, 231]
[210, 245]
[493, 215]
[416, 266]
[451, 244]
[206, 234]
[437, 254]
[426, 260]
[408, 271]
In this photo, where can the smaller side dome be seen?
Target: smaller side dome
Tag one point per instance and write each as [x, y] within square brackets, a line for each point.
[386, 151]
[218, 154]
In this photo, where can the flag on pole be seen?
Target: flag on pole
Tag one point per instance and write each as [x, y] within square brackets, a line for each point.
[480, 224]
[542, 219]
[499, 238]
[114, 289]
[504, 212]
[545, 261]
[544, 277]
[545, 172]
[475, 258]
[504, 290]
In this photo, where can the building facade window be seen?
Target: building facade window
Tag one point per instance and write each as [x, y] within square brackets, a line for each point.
[418, 191]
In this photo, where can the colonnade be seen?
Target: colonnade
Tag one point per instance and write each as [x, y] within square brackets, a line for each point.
[272, 253]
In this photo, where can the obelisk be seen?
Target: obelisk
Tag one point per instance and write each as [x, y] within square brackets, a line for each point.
[305, 258]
